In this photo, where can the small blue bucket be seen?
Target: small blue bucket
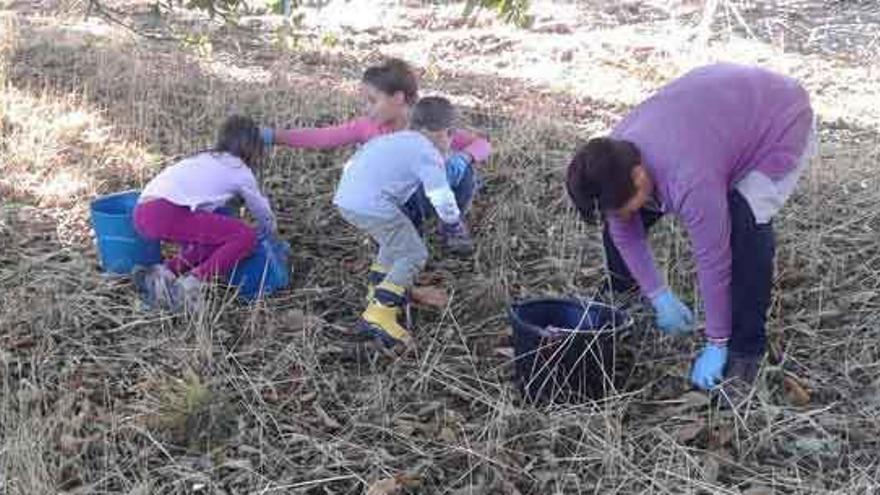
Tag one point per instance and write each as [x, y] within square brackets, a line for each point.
[120, 247]
[565, 348]
[265, 271]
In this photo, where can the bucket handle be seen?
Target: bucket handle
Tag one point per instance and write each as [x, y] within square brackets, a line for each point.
[554, 333]
[622, 328]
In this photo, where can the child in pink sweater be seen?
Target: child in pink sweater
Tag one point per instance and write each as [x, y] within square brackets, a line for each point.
[390, 90]
[180, 206]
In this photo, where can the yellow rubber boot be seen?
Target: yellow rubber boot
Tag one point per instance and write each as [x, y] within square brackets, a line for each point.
[375, 276]
[382, 316]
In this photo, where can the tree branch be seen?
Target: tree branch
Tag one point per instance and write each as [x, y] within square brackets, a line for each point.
[104, 12]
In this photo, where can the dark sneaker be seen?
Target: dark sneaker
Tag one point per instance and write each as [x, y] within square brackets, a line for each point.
[739, 381]
[456, 239]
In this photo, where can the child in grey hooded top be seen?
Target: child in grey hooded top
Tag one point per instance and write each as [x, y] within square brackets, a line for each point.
[378, 180]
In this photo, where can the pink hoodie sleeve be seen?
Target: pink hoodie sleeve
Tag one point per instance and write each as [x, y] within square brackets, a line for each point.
[471, 143]
[630, 239]
[356, 131]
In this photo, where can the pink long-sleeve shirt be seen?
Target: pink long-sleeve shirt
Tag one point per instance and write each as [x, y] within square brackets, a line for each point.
[207, 181]
[698, 137]
[363, 129]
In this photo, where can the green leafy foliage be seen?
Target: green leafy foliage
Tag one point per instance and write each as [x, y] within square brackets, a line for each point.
[223, 8]
[286, 37]
[200, 43]
[230, 9]
[277, 7]
[511, 11]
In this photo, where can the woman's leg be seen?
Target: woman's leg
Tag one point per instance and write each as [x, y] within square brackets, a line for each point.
[753, 203]
[753, 247]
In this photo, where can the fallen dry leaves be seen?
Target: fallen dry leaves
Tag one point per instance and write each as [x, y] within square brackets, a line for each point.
[687, 432]
[796, 393]
[393, 485]
[435, 297]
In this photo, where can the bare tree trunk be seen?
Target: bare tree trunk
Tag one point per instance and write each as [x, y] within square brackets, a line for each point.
[704, 30]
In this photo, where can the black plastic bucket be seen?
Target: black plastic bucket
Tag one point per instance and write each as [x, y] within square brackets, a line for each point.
[565, 348]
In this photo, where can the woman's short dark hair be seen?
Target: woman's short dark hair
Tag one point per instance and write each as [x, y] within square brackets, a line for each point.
[600, 175]
[433, 113]
[392, 76]
[240, 136]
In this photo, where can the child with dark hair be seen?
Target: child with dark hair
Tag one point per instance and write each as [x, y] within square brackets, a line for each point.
[179, 204]
[722, 148]
[390, 90]
[376, 184]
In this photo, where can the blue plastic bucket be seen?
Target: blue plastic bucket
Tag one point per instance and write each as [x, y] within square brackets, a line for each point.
[120, 247]
[565, 348]
[265, 271]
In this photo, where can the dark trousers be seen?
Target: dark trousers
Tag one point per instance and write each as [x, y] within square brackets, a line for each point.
[752, 248]
[419, 208]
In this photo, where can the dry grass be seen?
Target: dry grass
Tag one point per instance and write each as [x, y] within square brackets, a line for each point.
[100, 397]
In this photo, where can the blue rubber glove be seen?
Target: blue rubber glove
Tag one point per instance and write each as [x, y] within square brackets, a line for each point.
[709, 366]
[673, 317]
[456, 166]
[267, 134]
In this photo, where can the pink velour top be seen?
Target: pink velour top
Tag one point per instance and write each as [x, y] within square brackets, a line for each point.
[698, 137]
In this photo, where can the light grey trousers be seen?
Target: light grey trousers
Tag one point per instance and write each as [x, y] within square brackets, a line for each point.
[401, 249]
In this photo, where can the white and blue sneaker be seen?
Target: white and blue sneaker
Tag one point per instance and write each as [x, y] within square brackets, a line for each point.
[154, 285]
[186, 295]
